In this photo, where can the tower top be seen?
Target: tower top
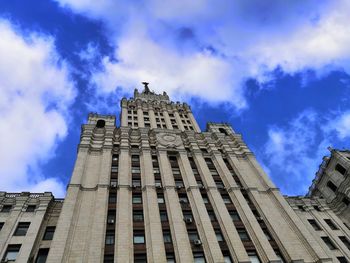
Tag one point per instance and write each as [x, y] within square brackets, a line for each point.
[148, 95]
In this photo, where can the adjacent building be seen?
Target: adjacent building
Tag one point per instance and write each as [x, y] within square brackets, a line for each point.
[158, 189]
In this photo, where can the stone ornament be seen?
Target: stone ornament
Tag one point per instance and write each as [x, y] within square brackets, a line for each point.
[169, 140]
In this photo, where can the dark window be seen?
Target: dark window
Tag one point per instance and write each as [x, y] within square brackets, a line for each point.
[140, 258]
[1, 225]
[6, 208]
[331, 224]
[100, 124]
[314, 224]
[30, 208]
[22, 229]
[198, 257]
[253, 256]
[222, 130]
[234, 215]
[342, 260]
[109, 237]
[170, 258]
[137, 199]
[340, 169]
[219, 236]
[301, 208]
[332, 186]
[193, 235]
[226, 199]
[42, 255]
[49, 232]
[243, 234]
[345, 241]
[138, 216]
[163, 216]
[267, 234]
[212, 215]
[317, 208]
[11, 253]
[329, 243]
[346, 201]
[108, 259]
[112, 198]
[167, 237]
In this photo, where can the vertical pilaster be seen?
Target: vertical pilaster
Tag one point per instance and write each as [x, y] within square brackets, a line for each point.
[167, 119]
[124, 225]
[124, 113]
[140, 119]
[206, 232]
[255, 232]
[229, 231]
[153, 230]
[152, 118]
[194, 122]
[182, 246]
[178, 120]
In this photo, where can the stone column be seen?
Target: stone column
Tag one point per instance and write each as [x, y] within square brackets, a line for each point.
[152, 118]
[124, 113]
[228, 229]
[153, 226]
[124, 226]
[255, 232]
[178, 120]
[140, 119]
[194, 122]
[205, 229]
[181, 242]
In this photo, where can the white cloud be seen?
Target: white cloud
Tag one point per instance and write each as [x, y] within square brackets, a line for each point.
[35, 95]
[250, 40]
[296, 149]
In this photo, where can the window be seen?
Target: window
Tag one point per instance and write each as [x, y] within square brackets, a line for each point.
[108, 259]
[223, 131]
[1, 225]
[227, 259]
[140, 258]
[156, 170]
[11, 252]
[49, 232]
[138, 216]
[205, 199]
[114, 169]
[301, 208]
[329, 243]
[314, 224]
[331, 224]
[346, 201]
[179, 183]
[114, 183]
[136, 183]
[212, 215]
[317, 208]
[135, 170]
[167, 237]
[30, 208]
[226, 199]
[253, 257]
[176, 171]
[198, 257]
[139, 238]
[112, 199]
[6, 208]
[219, 236]
[158, 183]
[22, 229]
[267, 234]
[332, 186]
[42, 255]
[109, 238]
[160, 199]
[219, 185]
[234, 215]
[183, 199]
[163, 216]
[135, 158]
[111, 217]
[342, 260]
[243, 234]
[187, 215]
[345, 241]
[170, 258]
[340, 169]
[279, 256]
[136, 199]
[100, 124]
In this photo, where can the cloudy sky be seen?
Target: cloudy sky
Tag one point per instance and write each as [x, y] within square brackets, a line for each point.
[278, 71]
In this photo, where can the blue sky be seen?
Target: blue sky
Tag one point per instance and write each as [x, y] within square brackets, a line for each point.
[277, 71]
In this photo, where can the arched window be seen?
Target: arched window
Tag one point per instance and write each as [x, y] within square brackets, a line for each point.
[222, 130]
[100, 124]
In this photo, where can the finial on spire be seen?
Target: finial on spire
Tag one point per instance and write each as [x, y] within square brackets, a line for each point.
[146, 87]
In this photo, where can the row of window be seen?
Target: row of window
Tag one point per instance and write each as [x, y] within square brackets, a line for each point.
[7, 208]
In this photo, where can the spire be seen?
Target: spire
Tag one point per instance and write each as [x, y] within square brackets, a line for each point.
[147, 91]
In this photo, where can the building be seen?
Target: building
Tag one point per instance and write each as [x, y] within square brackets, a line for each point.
[158, 189]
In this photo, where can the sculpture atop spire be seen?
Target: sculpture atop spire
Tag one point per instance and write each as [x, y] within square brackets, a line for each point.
[147, 90]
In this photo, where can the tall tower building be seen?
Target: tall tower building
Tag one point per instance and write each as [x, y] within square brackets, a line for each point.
[158, 189]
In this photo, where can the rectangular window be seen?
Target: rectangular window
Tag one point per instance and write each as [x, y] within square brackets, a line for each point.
[234, 215]
[331, 224]
[31, 208]
[329, 243]
[198, 257]
[135, 170]
[314, 224]
[136, 183]
[137, 199]
[49, 232]
[332, 186]
[226, 199]
[6, 208]
[188, 215]
[345, 241]
[112, 199]
[183, 199]
[11, 252]
[219, 236]
[342, 260]
[212, 215]
[227, 259]
[193, 235]
[108, 259]
[138, 216]
[140, 258]
[205, 199]
[110, 238]
[158, 183]
[243, 234]
[22, 229]
[170, 258]
[253, 257]
[139, 238]
[156, 170]
[114, 182]
[160, 199]
[340, 169]
[163, 216]
[179, 183]
[167, 237]
[42, 255]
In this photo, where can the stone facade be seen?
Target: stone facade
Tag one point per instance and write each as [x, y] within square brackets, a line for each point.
[157, 189]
